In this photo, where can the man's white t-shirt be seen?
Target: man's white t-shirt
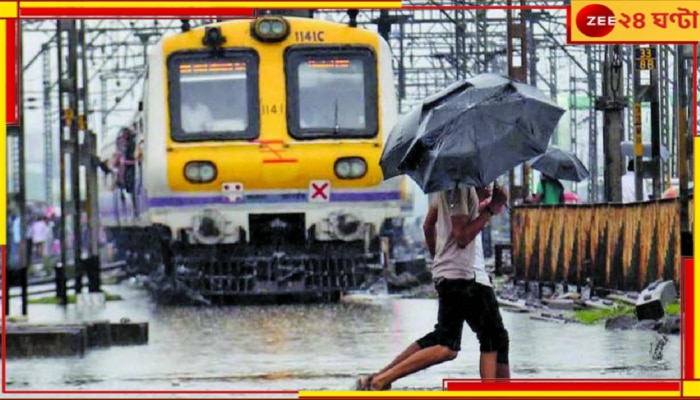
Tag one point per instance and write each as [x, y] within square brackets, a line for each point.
[450, 261]
[629, 191]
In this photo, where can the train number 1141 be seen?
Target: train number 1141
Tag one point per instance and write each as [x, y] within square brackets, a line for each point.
[272, 109]
[310, 36]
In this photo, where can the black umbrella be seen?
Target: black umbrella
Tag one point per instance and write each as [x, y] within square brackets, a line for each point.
[470, 133]
[627, 149]
[561, 165]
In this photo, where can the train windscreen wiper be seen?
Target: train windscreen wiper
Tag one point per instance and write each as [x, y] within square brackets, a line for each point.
[336, 129]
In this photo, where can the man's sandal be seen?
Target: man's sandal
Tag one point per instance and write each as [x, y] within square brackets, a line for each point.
[365, 383]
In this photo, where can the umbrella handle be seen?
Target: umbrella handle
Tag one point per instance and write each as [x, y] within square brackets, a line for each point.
[455, 195]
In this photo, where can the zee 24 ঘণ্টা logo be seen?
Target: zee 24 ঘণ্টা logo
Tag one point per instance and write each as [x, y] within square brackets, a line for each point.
[597, 20]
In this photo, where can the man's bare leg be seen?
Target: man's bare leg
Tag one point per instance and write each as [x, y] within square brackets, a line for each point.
[410, 350]
[417, 361]
[503, 371]
[489, 368]
[487, 365]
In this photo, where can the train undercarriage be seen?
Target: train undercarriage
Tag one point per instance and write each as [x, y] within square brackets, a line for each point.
[283, 267]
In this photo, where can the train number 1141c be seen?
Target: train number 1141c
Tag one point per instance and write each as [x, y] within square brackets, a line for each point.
[310, 36]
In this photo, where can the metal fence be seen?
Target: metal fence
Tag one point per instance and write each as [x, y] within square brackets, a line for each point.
[618, 246]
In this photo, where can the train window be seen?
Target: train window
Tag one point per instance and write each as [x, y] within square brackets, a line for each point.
[331, 92]
[213, 98]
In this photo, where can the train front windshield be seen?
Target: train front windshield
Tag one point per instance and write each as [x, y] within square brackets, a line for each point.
[332, 93]
[211, 99]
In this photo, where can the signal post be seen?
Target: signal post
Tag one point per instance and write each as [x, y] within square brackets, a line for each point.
[646, 59]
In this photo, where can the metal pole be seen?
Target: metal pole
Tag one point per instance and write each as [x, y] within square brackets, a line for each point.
[593, 60]
[510, 33]
[517, 42]
[48, 128]
[612, 103]
[460, 45]
[60, 270]
[637, 117]
[523, 77]
[655, 129]
[532, 50]
[22, 198]
[103, 106]
[683, 167]
[75, 156]
[90, 147]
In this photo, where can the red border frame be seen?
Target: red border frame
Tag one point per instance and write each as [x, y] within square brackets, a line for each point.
[687, 320]
[603, 385]
[569, 26]
[12, 71]
[135, 13]
[687, 331]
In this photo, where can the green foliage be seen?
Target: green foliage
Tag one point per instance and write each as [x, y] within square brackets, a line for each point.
[48, 262]
[593, 316]
[673, 308]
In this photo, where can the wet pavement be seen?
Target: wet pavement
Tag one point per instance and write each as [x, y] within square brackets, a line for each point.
[318, 347]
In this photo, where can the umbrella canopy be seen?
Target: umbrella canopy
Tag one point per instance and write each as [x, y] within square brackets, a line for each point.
[470, 133]
[627, 149]
[561, 165]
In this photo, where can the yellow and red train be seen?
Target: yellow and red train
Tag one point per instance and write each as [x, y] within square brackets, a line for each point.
[252, 166]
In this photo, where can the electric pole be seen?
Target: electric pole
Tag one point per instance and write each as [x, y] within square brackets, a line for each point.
[612, 103]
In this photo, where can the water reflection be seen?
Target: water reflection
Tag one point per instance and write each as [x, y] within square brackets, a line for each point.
[319, 347]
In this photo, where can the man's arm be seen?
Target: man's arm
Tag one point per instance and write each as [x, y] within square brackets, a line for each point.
[483, 204]
[484, 194]
[465, 230]
[465, 227]
[429, 229]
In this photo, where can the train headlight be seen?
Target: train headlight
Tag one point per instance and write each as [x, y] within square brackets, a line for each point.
[200, 171]
[350, 168]
[270, 29]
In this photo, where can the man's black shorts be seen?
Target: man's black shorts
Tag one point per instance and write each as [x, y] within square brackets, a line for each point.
[466, 300]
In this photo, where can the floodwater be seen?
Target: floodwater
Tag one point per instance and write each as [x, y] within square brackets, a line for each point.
[319, 347]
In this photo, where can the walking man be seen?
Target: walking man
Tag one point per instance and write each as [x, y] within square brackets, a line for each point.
[452, 227]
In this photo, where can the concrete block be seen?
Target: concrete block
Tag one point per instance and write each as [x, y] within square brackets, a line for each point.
[99, 334]
[129, 333]
[651, 302]
[45, 341]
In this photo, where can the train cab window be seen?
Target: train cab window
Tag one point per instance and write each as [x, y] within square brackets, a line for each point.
[213, 98]
[331, 92]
